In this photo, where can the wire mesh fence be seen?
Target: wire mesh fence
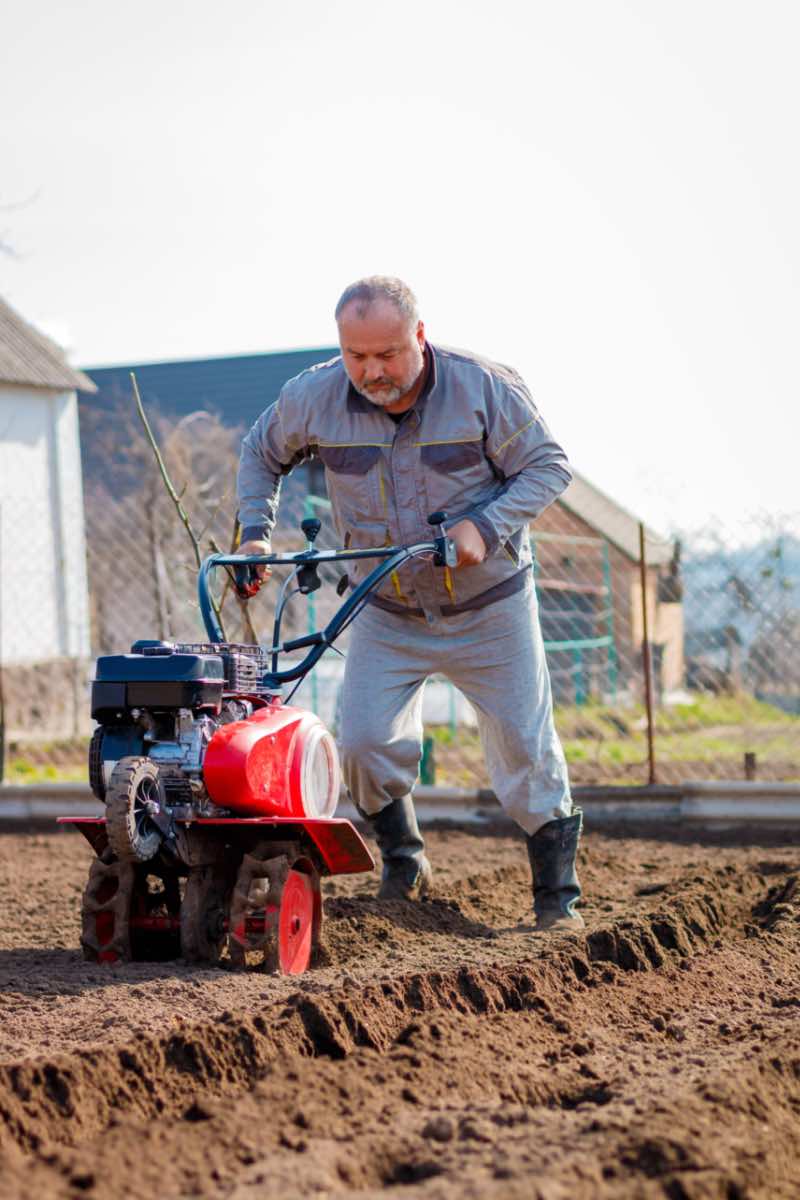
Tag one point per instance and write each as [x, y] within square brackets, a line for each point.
[722, 609]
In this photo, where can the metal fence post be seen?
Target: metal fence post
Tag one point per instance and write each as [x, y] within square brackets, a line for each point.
[613, 662]
[647, 661]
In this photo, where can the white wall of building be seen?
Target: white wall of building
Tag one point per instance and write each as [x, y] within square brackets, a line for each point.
[43, 594]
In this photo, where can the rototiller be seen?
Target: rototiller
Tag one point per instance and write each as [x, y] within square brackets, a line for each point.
[219, 795]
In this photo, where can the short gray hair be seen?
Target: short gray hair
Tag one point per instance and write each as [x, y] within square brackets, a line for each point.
[364, 293]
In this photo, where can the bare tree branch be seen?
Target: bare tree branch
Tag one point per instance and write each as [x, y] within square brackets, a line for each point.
[244, 607]
[176, 499]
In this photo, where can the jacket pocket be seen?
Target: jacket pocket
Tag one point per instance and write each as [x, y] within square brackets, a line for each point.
[349, 460]
[364, 535]
[446, 457]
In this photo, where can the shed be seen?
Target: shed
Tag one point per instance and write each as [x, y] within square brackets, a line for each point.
[589, 585]
[44, 623]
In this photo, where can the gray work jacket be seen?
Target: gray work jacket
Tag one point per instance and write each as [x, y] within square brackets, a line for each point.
[474, 444]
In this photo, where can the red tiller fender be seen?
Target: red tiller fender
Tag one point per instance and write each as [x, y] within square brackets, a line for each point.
[340, 846]
[254, 767]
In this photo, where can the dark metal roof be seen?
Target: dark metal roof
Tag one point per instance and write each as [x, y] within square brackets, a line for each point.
[30, 358]
[236, 388]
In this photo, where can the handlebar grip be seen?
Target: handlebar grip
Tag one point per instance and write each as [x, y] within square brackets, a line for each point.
[246, 580]
[311, 527]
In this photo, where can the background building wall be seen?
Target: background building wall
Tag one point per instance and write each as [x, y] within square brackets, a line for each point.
[582, 565]
[43, 594]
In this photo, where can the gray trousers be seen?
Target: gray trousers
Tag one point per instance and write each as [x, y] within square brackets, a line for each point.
[495, 656]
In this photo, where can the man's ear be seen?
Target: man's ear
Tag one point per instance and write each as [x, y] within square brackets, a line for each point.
[421, 335]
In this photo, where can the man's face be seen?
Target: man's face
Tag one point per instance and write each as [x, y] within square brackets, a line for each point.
[382, 353]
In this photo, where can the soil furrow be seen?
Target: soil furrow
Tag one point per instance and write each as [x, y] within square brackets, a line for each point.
[505, 1095]
[658, 1055]
[73, 1095]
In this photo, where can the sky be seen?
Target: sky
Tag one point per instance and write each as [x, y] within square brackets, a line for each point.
[602, 193]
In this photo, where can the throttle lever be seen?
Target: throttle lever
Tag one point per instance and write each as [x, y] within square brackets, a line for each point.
[446, 554]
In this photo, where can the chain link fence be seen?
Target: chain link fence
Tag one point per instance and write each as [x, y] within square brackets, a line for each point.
[721, 606]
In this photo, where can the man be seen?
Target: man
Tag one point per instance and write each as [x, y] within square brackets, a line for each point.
[405, 428]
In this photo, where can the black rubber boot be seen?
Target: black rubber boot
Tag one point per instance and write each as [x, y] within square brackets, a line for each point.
[556, 890]
[406, 870]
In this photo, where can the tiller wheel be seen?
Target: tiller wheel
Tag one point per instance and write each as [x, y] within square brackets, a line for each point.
[130, 913]
[135, 795]
[204, 914]
[276, 910]
[105, 911]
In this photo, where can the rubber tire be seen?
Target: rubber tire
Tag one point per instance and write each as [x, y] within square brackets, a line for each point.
[96, 778]
[129, 843]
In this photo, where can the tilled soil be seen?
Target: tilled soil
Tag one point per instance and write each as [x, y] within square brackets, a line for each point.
[445, 1050]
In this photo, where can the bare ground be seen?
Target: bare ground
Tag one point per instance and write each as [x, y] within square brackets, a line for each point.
[444, 1052]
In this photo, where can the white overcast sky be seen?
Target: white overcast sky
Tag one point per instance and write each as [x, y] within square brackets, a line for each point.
[603, 193]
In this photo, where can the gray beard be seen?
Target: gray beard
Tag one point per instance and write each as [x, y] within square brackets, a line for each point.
[385, 397]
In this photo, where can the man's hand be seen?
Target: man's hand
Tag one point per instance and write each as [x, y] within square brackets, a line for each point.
[262, 570]
[470, 546]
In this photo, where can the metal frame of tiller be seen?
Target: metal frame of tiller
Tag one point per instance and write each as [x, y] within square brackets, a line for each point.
[248, 881]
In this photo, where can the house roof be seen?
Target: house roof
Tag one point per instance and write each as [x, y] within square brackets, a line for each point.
[237, 388]
[28, 357]
[614, 522]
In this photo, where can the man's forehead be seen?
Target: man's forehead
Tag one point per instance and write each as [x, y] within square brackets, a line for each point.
[378, 327]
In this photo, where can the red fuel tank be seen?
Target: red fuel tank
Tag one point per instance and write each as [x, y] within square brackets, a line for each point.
[280, 762]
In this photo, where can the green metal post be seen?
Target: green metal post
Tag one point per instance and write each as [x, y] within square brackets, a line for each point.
[580, 683]
[427, 766]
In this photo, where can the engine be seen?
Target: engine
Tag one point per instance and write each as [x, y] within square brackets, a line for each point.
[221, 742]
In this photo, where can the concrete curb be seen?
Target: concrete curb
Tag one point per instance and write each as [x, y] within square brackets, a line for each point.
[692, 801]
[41, 801]
[705, 800]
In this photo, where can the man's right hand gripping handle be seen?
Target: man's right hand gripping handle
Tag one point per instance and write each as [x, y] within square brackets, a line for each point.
[250, 578]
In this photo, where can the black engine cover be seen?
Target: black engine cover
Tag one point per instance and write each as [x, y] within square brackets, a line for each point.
[158, 682]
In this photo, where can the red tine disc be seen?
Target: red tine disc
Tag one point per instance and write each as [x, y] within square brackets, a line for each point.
[295, 924]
